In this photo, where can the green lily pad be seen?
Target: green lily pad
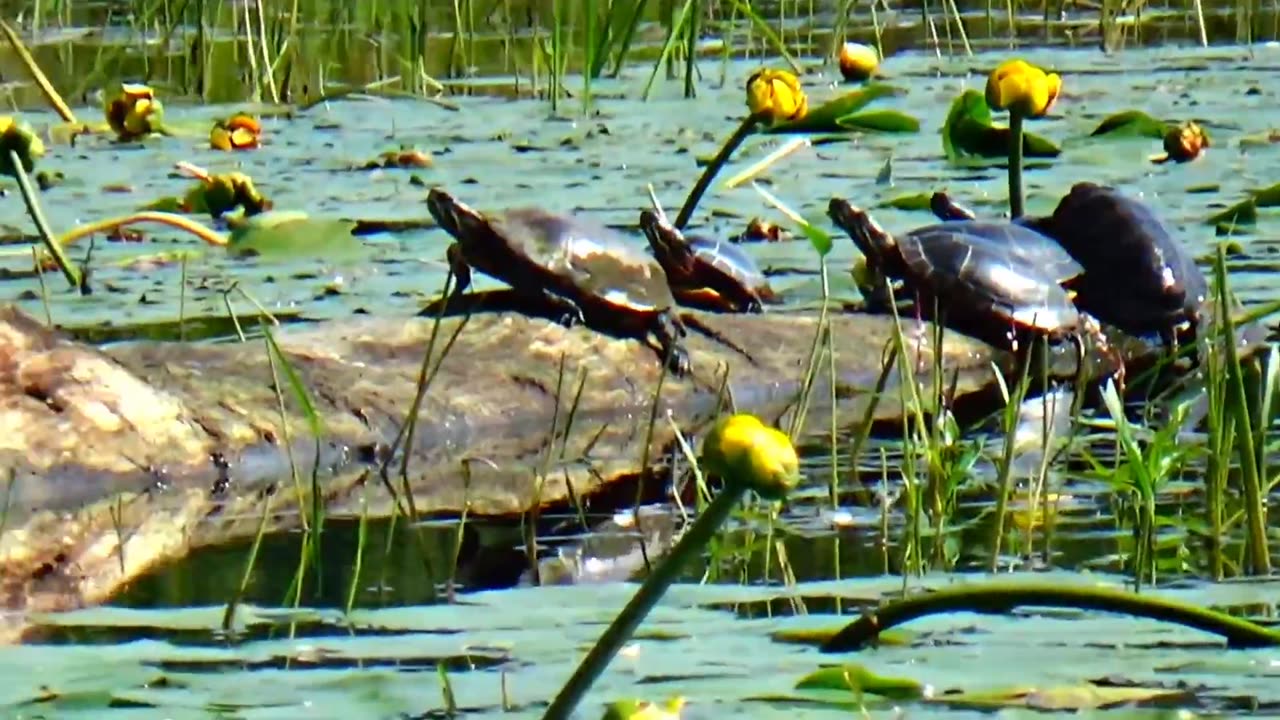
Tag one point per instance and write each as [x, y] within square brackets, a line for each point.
[1245, 212]
[292, 234]
[840, 115]
[859, 680]
[881, 121]
[1131, 123]
[1085, 696]
[914, 201]
[969, 131]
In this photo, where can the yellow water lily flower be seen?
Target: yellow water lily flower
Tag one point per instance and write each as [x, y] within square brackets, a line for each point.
[857, 61]
[1022, 88]
[238, 132]
[776, 96]
[18, 137]
[740, 448]
[134, 111]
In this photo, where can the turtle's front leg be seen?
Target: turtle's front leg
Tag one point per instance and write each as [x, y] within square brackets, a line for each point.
[668, 330]
[461, 270]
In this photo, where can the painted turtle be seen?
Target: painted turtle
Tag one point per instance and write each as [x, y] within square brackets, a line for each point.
[1136, 277]
[706, 273]
[998, 282]
[583, 270]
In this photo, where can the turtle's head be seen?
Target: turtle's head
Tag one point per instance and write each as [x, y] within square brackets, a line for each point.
[451, 214]
[667, 242]
[865, 232]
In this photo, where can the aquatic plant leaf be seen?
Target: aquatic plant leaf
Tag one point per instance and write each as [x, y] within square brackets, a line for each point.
[1085, 696]
[1244, 212]
[968, 131]
[881, 121]
[914, 201]
[291, 235]
[1266, 197]
[819, 635]
[1131, 123]
[826, 118]
[859, 680]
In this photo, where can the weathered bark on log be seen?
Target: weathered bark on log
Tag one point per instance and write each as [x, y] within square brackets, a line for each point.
[114, 460]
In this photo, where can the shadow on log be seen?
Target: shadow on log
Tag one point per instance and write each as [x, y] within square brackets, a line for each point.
[119, 459]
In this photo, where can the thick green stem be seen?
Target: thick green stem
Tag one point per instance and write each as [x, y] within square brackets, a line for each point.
[1015, 164]
[42, 225]
[694, 541]
[721, 159]
[1002, 597]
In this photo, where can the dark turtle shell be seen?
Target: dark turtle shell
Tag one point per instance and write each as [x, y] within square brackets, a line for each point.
[990, 279]
[706, 273]
[1137, 276]
[569, 263]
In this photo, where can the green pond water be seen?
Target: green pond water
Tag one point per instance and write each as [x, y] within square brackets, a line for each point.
[156, 652]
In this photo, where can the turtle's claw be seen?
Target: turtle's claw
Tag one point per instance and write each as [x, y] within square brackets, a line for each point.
[678, 362]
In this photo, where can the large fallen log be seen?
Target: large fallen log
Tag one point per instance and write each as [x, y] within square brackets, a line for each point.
[117, 459]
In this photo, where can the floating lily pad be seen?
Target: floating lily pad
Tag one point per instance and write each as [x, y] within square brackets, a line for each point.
[914, 201]
[841, 115]
[970, 131]
[858, 679]
[1131, 123]
[292, 234]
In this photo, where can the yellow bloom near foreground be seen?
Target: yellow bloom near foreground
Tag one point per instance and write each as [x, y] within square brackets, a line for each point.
[1022, 88]
[740, 448]
[776, 96]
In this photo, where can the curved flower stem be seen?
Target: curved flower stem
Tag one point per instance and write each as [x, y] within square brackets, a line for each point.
[1015, 164]
[690, 545]
[690, 203]
[42, 226]
[1001, 597]
[181, 222]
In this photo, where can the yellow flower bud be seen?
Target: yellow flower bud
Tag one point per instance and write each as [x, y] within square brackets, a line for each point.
[18, 137]
[776, 96]
[1022, 88]
[1185, 142]
[741, 449]
[858, 61]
